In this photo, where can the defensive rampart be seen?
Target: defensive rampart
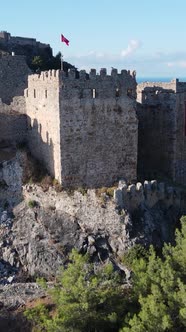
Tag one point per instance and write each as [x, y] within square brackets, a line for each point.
[149, 194]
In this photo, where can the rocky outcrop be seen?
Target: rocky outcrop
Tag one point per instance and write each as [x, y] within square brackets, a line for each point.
[39, 227]
[45, 226]
[10, 182]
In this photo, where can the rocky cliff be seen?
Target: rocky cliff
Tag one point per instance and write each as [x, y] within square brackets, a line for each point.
[40, 227]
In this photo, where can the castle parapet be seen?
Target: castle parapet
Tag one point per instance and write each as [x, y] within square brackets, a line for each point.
[149, 194]
[100, 85]
[102, 74]
[49, 75]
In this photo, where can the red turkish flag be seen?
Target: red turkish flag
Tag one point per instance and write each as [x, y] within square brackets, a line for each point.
[64, 40]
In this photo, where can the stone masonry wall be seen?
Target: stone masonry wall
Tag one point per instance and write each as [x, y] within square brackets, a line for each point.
[13, 77]
[162, 130]
[42, 103]
[147, 91]
[98, 128]
[5, 37]
[13, 121]
[148, 194]
[157, 131]
[13, 127]
[180, 143]
[84, 129]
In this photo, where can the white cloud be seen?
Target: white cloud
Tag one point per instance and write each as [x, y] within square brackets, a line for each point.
[180, 64]
[131, 48]
[151, 64]
[170, 64]
[98, 56]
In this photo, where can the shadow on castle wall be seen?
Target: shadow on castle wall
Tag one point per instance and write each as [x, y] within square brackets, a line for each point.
[14, 166]
[155, 95]
[41, 149]
[13, 127]
[156, 132]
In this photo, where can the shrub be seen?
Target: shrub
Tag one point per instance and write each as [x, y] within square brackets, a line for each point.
[84, 301]
[82, 190]
[109, 191]
[46, 182]
[57, 186]
[32, 204]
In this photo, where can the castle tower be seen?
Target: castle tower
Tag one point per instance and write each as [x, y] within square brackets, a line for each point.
[162, 130]
[84, 128]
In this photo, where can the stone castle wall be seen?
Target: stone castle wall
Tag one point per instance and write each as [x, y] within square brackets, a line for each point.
[13, 80]
[13, 127]
[150, 91]
[13, 121]
[98, 128]
[157, 135]
[148, 194]
[6, 38]
[42, 104]
[180, 142]
[13, 77]
[85, 128]
[162, 131]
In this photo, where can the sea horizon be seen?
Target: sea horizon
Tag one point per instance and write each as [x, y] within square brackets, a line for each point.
[158, 79]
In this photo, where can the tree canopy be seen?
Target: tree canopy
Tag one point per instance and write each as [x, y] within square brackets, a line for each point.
[86, 300]
[159, 289]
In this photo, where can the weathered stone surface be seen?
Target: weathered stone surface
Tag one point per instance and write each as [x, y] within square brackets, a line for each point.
[42, 237]
[13, 77]
[10, 182]
[84, 139]
[161, 136]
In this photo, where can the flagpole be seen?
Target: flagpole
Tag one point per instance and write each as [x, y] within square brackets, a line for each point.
[66, 41]
[61, 61]
[61, 54]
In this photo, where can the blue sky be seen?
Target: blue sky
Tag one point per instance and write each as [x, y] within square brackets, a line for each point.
[148, 36]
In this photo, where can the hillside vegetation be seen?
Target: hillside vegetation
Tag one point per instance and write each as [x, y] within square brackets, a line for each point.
[88, 300]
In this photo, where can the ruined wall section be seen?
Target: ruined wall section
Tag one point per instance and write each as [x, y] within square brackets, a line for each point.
[147, 195]
[148, 91]
[13, 77]
[42, 102]
[157, 132]
[6, 38]
[98, 128]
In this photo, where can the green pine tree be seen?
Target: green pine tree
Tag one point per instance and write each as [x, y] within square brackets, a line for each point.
[84, 301]
[159, 290]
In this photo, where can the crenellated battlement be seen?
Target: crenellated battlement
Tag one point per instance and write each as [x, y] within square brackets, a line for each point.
[45, 76]
[82, 74]
[81, 84]
[149, 194]
[113, 85]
